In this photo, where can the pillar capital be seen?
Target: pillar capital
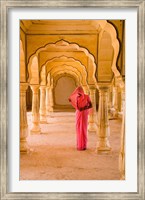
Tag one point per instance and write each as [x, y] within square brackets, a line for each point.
[86, 89]
[92, 87]
[104, 88]
[23, 87]
[35, 88]
[47, 87]
[119, 81]
[92, 90]
[42, 87]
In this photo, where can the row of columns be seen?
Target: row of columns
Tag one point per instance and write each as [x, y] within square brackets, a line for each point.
[46, 98]
[100, 123]
[115, 101]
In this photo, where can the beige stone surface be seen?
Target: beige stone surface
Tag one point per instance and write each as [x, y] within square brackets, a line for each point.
[53, 154]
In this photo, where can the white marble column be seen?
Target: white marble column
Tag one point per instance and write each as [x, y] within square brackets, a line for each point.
[92, 127]
[122, 148]
[43, 118]
[35, 110]
[103, 123]
[23, 119]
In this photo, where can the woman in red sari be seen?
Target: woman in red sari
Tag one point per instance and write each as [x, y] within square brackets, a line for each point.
[81, 102]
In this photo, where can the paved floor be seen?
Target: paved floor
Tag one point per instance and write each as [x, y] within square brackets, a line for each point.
[53, 154]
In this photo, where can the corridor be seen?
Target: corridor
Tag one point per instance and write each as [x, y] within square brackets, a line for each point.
[53, 154]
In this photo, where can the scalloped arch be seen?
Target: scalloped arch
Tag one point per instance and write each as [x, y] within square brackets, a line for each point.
[65, 71]
[69, 69]
[63, 45]
[109, 28]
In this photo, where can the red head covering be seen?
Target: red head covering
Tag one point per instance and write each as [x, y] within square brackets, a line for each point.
[79, 100]
[73, 97]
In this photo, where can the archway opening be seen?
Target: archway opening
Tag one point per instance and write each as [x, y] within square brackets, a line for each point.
[65, 85]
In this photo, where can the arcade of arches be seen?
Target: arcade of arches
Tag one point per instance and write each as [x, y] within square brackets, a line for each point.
[56, 56]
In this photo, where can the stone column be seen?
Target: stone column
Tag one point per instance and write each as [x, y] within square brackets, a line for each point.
[51, 99]
[35, 110]
[43, 118]
[85, 88]
[103, 123]
[23, 119]
[122, 99]
[110, 103]
[110, 98]
[92, 127]
[47, 100]
[122, 148]
[115, 101]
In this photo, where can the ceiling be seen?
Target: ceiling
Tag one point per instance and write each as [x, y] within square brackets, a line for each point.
[59, 26]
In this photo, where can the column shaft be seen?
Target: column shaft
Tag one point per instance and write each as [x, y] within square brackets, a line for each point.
[103, 123]
[51, 99]
[122, 148]
[92, 127]
[42, 104]
[23, 119]
[115, 102]
[35, 110]
[47, 100]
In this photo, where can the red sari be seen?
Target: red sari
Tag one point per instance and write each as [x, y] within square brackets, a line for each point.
[81, 102]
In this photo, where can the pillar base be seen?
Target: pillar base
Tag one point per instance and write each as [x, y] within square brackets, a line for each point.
[104, 149]
[51, 109]
[23, 146]
[122, 176]
[43, 120]
[34, 131]
[92, 127]
[103, 146]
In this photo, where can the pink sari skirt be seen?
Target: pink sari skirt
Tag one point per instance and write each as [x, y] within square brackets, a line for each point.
[81, 128]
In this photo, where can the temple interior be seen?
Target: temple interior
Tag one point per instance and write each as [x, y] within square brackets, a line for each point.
[56, 56]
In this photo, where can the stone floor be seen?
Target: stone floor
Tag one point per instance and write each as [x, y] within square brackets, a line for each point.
[53, 154]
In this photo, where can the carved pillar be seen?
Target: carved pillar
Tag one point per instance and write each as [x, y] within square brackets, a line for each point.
[35, 110]
[92, 127]
[85, 88]
[110, 98]
[51, 99]
[23, 119]
[115, 101]
[103, 123]
[122, 99]
[47, 100]
[43, 118]
[122, 148]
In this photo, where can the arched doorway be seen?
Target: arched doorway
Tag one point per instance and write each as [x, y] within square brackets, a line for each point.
[61, 96]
